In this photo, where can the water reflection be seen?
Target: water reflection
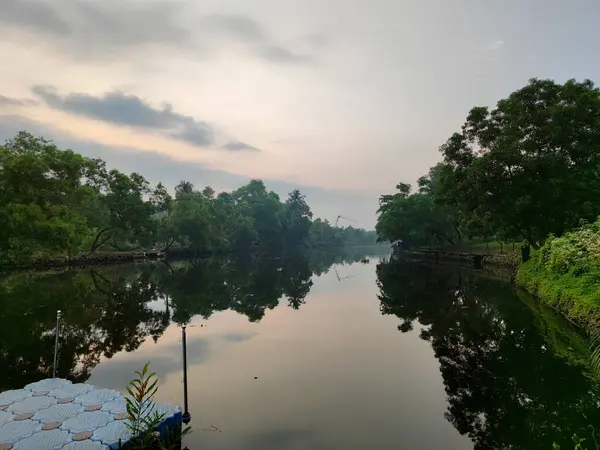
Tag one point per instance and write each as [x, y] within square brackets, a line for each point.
[514, 374]
[108, 310]
[294, 354]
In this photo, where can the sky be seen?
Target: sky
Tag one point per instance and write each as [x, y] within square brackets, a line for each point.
[342, 99]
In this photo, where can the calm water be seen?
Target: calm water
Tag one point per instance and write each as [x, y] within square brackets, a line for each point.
[314, 352]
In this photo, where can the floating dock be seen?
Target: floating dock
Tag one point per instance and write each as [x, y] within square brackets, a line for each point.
[55, 414]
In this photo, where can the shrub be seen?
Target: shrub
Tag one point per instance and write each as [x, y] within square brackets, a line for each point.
[565, 273]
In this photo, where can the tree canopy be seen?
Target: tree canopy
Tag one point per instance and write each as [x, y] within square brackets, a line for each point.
[528, 168]
[58, 203]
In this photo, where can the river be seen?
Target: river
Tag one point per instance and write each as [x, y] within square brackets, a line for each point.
[314, 352]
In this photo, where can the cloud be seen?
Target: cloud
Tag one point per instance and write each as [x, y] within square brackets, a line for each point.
[98, 30]
[243, 29]
[495, 45]
[10, 101]
[122, 109]
[236, 146]
[91, 28]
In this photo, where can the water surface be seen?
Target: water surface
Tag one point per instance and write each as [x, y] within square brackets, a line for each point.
[314, 351]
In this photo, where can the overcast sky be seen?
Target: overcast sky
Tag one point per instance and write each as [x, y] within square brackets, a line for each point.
[340, 98]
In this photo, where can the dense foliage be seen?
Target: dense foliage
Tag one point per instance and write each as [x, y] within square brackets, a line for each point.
[57, 202]
[565, 273]
[526, 169]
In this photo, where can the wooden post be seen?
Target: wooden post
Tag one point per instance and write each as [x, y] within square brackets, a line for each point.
[186, 413]
[56, 338]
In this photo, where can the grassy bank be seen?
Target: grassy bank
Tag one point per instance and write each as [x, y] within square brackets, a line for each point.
[565, 274]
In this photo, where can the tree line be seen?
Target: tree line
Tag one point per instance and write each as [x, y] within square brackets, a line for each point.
[56, 202]
[522, 171]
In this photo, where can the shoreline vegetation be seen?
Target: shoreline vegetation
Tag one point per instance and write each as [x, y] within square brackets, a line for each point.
[565, 274]
[526, 173]
[60, 208]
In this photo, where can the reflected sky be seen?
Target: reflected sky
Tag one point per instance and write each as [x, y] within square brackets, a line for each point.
[335, 374]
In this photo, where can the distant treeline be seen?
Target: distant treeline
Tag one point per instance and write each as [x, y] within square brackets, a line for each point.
[523, 171]
[58, 202]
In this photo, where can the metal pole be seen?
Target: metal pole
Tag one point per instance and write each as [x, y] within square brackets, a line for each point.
[186, 414]
[58, 313]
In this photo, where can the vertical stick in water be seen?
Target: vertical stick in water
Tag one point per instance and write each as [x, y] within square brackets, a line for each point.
[56, 343]
[186, 414]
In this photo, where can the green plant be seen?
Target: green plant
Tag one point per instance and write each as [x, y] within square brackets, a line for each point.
[578, 441]
[143, 419]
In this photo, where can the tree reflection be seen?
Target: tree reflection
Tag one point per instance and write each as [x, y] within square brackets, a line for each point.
[108, 310]
[499, 366]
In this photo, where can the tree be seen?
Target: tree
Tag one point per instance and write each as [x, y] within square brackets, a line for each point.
[415, 218]
[183, 188]
[191, 218]
[208, 192]
[56, 203]
[296, 219]
[529, 167]
[161, 199]
[265, 210]
[41, 188]
[127, 215]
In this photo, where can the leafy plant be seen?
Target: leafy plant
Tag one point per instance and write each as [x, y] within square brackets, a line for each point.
[578, 441]
[144, 419]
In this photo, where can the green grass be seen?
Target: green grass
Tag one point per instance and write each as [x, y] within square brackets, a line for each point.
[576, 294]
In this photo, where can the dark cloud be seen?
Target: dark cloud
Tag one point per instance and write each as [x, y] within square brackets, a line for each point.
[129, 110]
[100, 29]
[236, 146]
[39, 16]
[248, 31]
[4, 100]
[91, 28]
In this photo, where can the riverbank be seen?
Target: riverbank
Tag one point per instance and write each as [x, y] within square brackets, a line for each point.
[574, 294]
[86, 260]
[565, 274]
[96, 259]
[505, 262]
